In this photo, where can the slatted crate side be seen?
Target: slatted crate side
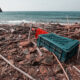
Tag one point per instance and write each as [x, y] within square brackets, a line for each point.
[61, 51]
[57, 39]
[60, 41]
[72, 52]
[50, 46]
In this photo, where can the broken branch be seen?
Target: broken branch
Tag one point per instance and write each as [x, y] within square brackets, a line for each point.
[40, 53]
[76, 69]
[61, 66]
[27, 75]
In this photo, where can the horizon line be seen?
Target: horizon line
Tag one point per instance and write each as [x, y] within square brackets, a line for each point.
[39, 11]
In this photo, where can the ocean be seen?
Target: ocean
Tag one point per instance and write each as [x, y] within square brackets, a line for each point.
[17, 17]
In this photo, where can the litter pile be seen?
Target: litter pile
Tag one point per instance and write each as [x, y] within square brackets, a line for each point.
[24, 53]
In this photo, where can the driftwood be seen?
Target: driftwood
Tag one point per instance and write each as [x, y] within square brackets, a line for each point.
[3, 29]
[68, 27]
[29, 32]
[74, 33]
[40, 53]
[61, 66]
[76, 69]
[27, 75]
[78, 53]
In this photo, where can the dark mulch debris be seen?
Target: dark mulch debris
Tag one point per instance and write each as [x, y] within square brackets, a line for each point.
[22, 53]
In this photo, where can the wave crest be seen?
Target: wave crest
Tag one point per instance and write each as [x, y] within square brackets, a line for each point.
[16, 22]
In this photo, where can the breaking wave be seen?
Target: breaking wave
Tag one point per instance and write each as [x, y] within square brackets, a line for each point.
[16, 22]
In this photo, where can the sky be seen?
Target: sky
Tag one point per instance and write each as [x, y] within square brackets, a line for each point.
[40, 5]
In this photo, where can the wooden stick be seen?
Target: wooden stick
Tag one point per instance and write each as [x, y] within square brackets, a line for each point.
[61, 66]
[68, 25]
[40, 53]
[76, 69]
[29, 32]
[27, 75]
[78, 52]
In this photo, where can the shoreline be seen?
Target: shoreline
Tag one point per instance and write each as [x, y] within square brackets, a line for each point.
[30, 22]
[66, 30]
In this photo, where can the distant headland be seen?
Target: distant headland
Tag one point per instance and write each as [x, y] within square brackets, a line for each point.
[0, 10]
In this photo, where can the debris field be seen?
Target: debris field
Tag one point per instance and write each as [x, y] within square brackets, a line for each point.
[21, 52]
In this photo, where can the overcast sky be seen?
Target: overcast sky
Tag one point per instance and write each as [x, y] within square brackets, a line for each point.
[40, 5]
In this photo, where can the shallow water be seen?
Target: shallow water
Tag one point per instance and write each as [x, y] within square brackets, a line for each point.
[40, 16]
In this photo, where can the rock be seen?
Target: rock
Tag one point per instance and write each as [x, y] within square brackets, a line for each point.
[0, 10]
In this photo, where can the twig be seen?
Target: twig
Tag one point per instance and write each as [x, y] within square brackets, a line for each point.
[27, 75]
[68, 25]
[76, 69]
[40, 53]
[78, 52]
[29, 32]
[61, 66]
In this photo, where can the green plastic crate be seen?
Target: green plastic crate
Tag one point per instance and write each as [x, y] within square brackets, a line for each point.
[64, 48]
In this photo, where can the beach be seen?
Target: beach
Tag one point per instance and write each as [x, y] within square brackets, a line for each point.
[21, 52]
